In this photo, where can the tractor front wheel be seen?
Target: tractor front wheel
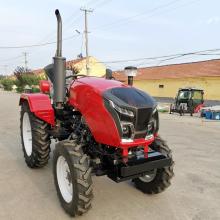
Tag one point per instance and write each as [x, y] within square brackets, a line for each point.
[157, 180]
[72, 177]
[34, 137]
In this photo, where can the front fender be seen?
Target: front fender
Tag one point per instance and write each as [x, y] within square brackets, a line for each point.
[40, 105]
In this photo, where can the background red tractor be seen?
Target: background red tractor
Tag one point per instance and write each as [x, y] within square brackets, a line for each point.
[102, 126]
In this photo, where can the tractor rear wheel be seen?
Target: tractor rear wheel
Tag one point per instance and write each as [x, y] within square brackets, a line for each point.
[159, 179]
[72, 177]
[34, 137]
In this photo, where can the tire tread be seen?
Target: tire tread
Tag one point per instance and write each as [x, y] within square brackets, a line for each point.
[40, 140]
[163, 176]
[80, 165]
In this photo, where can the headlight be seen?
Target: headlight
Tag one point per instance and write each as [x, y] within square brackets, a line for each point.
[127, 129]
[154, 111]
[153, 124]
[121, 110]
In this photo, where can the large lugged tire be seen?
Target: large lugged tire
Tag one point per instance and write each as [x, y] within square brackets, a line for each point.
[34, 138]
[72, 177]
[158, 180]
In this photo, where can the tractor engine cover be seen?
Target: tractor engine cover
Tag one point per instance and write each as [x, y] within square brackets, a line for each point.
[116, 114]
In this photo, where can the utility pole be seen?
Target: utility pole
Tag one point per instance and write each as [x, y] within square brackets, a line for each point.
[25, 60]
[86, 37]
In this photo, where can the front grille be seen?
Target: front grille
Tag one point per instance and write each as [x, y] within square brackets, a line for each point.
[142, 118]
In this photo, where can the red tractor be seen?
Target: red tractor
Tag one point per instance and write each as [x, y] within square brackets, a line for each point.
[102, 126]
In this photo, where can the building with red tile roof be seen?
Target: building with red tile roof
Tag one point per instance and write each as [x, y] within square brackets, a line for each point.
[96, 67]
[164, 81]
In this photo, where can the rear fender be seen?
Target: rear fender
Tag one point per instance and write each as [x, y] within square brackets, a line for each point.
[198, 108]
[40, 105]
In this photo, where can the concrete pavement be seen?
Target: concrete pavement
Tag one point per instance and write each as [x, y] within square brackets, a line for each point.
[194, 193]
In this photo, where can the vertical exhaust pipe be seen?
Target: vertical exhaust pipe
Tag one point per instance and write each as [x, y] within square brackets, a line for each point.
[59, 69]
[59, 33]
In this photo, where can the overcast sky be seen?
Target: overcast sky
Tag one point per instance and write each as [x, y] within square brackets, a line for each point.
[119, 30]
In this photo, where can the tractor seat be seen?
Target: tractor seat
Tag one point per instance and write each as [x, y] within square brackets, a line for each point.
[49, 72]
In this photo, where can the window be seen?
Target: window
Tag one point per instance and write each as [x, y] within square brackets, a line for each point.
[184, 94]
[161, 86]
[197, 95]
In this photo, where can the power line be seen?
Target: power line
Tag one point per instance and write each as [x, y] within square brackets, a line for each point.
[209, 54]
[200, 52]
[12, 58]
[122, 21]
[67, 22]
[182, 5]
[159, 62]
[88, 2]
[36, 45]
[179, 56]
[69, 25]
[30, 46]
[151, 13]
[102, 3]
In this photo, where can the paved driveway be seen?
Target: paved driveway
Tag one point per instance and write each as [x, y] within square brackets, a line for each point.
[194, 194]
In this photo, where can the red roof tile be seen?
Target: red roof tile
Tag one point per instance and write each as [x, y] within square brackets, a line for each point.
[38, 71]
[174, 71]
[69, 64]
[73, 62]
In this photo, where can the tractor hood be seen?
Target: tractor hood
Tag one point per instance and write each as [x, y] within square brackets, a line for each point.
[130, 97]
[100, 84]
[124, 110]
[119, 92]
[131, 107]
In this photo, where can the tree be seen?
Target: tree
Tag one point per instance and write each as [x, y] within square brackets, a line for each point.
[20, 70]
[25, 77]
[2, 77]
[7, 83]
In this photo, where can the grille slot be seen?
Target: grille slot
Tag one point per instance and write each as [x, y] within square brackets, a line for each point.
[142, 118]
